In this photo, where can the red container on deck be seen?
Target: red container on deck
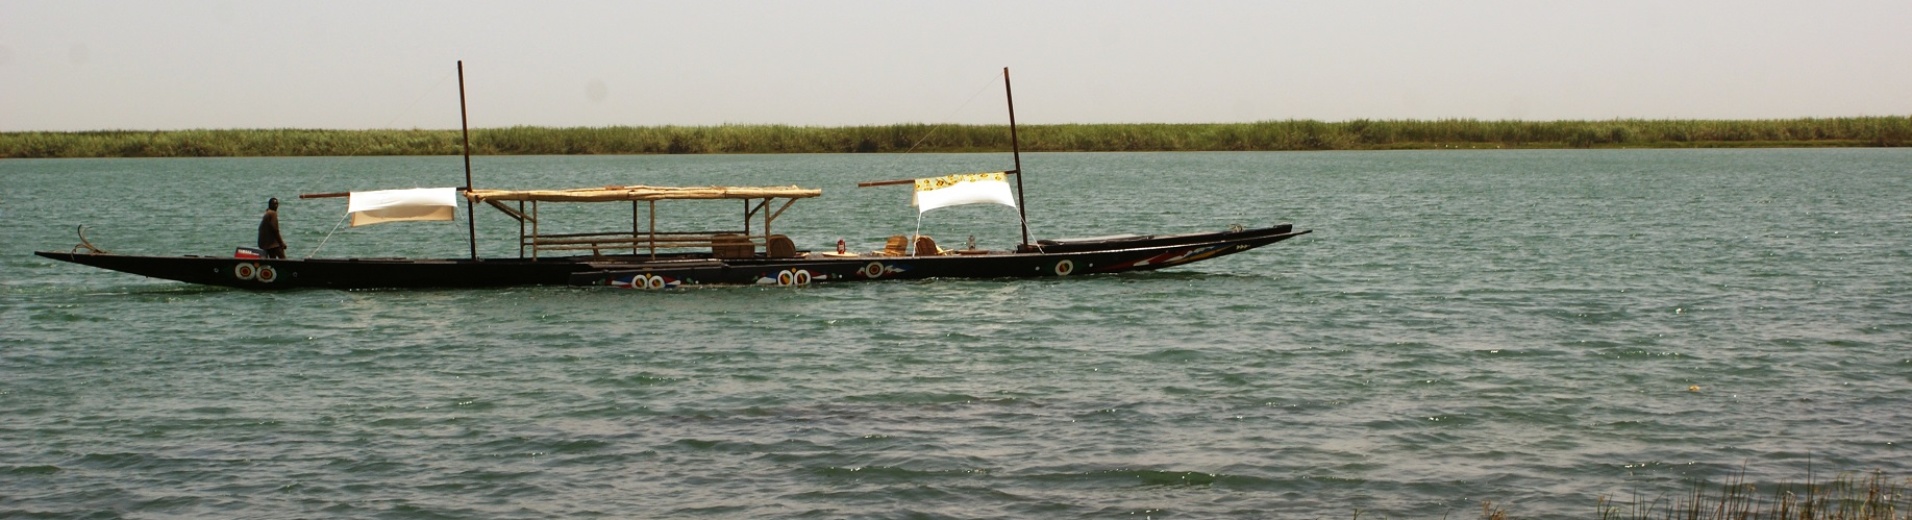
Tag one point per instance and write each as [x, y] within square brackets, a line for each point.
[248, 252]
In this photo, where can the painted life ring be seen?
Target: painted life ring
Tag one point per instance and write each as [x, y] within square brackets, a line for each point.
[786, 278]
[873, 270]
[653, 282]
[1065, 267]
[267, 274]
[802, 277]
[245, 271]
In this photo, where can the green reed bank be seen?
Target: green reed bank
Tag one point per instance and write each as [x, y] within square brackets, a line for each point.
[1884, 131]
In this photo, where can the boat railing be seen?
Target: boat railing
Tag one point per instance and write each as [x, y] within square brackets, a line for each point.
[643, 236]
[722, 244]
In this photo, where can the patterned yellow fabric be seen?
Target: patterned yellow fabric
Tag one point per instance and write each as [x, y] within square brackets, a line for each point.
[937, 183]
[962, 188]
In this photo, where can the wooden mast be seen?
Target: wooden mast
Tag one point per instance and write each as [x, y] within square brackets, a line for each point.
[1015, 150]
[471, 211]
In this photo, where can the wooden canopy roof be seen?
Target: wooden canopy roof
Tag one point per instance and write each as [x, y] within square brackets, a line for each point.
[641, 193]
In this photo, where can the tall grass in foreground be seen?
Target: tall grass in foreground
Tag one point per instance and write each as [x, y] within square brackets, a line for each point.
[1259, 136]
[1847, 497]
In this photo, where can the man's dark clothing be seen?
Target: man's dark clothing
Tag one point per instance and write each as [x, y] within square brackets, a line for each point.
[269, 238]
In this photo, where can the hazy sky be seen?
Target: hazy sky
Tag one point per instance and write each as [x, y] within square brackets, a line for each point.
[175, 64]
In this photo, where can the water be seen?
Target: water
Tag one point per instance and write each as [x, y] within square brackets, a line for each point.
[1514, 326]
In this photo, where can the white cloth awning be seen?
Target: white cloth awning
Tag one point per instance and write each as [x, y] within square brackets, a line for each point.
[373, 207]
[963, 188]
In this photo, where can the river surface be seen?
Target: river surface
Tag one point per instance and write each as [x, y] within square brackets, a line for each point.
[1534, 328]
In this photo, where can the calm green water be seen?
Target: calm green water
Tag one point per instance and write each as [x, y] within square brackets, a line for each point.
[1515, 326]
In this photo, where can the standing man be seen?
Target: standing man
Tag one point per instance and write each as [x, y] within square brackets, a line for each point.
[269, 238]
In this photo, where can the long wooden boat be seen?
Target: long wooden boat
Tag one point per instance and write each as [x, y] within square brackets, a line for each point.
[645, 257]
[727, 258]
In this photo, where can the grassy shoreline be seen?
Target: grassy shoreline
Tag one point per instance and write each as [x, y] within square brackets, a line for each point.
[1848, 496]
[1884, 131]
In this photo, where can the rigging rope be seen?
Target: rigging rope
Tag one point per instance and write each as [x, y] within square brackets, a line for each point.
[987, 85]
[959, 108]
[421, 97]
[407, 110]
[328, 237]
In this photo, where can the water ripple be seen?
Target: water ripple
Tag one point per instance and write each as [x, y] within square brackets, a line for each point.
[1531, 328]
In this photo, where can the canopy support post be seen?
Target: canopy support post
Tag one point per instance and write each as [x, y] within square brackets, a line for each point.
[765, 208]
[779, 213]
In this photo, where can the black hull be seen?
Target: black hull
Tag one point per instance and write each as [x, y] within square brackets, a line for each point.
[1109, 255]
[246, 273]
[1099, 256]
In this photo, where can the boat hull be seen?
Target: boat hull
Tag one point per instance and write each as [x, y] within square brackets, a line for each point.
[1060, 259]
[273, 274]
[1046, 259]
